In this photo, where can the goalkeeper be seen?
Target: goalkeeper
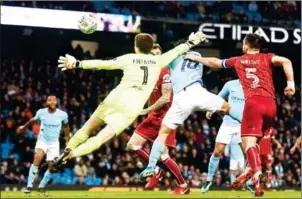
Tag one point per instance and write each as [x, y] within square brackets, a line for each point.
[126, 101]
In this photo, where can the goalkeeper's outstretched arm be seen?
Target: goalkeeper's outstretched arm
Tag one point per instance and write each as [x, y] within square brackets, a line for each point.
[194, 39]
[70, 62]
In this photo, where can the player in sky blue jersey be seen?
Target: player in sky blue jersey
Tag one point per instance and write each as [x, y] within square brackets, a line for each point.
[234, 151]
[229, 130]
[188, 95]
[51, 119]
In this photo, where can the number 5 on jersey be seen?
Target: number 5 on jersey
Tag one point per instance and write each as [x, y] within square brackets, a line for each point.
[250, 75]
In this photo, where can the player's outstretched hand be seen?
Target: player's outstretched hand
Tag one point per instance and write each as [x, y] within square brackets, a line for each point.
[191, 57]
[292, 150]
[67, 62]
[290, 88]
[196, 38]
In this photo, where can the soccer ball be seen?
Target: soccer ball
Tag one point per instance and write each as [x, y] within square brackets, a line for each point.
[88, 24]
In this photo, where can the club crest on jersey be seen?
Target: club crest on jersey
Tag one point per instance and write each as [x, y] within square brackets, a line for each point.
[166, 78]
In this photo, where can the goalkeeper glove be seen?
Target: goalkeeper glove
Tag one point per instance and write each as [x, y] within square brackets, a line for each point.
[196, 38]
[68, 62]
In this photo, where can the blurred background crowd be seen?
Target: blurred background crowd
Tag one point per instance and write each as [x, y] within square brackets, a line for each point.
[29, 74]
[258, 12]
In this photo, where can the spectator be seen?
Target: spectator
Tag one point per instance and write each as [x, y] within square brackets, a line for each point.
[80, 171]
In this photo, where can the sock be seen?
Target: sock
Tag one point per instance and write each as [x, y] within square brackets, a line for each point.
[269, 178]
[233, 177]
[157, 150]
[213, 164]
[88, 147]
[142, 154]
[253, 158]
[249, 182]
[237, 115]
[174, 169]
[78, 138]
[31, 176]
[46, 179]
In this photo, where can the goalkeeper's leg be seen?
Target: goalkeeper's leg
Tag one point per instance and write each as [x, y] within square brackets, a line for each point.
[83, 133]
[95, 142]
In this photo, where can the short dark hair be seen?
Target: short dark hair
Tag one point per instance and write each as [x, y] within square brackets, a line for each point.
[253, 40]
[144, 42]
[157, 46]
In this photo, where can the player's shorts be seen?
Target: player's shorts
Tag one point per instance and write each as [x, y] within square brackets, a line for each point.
[193, 97]
[150, 127]
[258, 116]
[266, 159]
[227, 133]
[121, 108]
[237, 164]
[51, 150]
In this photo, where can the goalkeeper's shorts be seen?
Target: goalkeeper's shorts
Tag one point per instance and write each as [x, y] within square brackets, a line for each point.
[120, 109]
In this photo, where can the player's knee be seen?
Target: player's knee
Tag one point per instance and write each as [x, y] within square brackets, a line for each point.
[132, 147]
[51, 167]
[163, 157]
[225, 108]
[37, 159]
[217, 153]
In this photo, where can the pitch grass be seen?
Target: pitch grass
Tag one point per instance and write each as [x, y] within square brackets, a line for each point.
[147, 194]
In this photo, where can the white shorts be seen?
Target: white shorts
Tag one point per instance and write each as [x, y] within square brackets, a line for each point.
[194, 97]
[51, 150]
[237, 164]
[226, 134]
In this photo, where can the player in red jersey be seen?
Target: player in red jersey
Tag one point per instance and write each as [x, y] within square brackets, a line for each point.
[159, 101]
[255, 72]
[266, 154]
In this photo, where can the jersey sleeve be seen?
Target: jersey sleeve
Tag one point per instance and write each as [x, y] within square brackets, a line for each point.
[224, 91]
[165, 77]
[38, 115]
[169, 56]
[113, 64]
[65, 118]
[269, 57]
[229, 63]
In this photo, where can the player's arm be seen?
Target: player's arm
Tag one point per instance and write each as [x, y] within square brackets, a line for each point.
[166, 89]
[289, 72]
[70, 62]
[30, 122]
[224, 91]
[211, 62]
[194, 39]
[66, 128]
[297, 145]
[223, 94]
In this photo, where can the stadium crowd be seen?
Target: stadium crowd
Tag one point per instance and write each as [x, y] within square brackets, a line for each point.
[258, 12]
[25, 85]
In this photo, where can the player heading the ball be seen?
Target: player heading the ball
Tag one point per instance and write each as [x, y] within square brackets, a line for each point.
[122, 106]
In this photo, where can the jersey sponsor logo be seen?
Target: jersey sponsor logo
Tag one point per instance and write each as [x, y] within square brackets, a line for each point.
[166, 78]
[237, 99]
[51, 125]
